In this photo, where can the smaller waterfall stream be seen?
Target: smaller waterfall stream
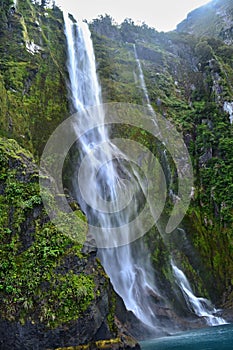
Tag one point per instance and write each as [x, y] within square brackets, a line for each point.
[200, 306]
[142, 81]
[228, 107]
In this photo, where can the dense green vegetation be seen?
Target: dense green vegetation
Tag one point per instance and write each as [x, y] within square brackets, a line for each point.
[34, 283]
[32, 73]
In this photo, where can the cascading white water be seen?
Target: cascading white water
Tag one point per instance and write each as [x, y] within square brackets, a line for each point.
[142, 81]
[128, 266]
[84, 87]
[200, 306]
[228, 107]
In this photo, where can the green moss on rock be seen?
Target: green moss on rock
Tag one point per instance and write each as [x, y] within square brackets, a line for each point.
[32, 249]
[32, 74]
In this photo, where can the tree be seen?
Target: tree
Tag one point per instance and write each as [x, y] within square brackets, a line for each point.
[204, 52]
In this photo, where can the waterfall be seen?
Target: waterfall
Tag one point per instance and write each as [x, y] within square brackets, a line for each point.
[103, 175]
[200, 306]
[228, 107]
[127, 265]
[142, 81]
[84, 87]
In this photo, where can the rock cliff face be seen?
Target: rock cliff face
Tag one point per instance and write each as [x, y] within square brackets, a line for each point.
[32, 73]
[214, 19]
[52, 294]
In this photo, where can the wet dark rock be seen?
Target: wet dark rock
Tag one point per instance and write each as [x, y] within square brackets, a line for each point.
[205, 157]
[145, 53]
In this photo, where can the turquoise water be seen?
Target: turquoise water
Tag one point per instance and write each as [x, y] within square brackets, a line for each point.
[212, 338]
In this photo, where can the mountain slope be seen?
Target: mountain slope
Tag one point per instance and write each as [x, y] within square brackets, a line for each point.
[214, 19]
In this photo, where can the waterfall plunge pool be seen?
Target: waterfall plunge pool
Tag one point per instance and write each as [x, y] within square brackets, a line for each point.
[211, 338]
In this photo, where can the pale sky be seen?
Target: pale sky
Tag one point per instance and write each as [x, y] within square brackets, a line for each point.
[163, 15]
